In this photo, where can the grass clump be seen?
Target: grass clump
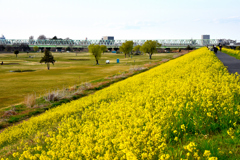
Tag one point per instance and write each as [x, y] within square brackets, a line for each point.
[30, 100]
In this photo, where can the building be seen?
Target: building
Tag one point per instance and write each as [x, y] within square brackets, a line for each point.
[110, 38]
[205, 37]
[2, 37]
[107, 40]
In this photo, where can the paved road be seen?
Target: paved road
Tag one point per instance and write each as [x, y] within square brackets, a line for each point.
[232, 63]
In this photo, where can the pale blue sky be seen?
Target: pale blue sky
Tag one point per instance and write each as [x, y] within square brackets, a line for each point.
[123, 19]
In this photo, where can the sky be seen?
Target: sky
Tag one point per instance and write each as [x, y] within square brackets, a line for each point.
[123, 19]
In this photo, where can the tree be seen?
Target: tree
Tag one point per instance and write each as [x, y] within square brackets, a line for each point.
[188, 48]
[103, 48]
[48, 58]
[9, 48]
[68, 49]
[126, 47]
[2, 47]
[137, 49]
[42, 37]
[96, 51]
[16, 52]
[150, 47]
[77, 51]
[31, 38]
[54, 38]
[35, 48]
[24, 47]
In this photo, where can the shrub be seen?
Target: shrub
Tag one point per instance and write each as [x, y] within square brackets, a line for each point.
[53, 96]
[10, 113]
[15, 118]
[68, 49]
[238, 48]
[35, 48]
[188, 48]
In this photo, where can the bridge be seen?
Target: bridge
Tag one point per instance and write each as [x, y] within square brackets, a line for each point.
[166, 43]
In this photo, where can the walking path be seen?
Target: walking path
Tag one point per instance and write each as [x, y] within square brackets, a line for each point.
[232, 63]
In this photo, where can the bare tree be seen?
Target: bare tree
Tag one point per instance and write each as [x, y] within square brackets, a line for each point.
[31, 37]
[42, 37]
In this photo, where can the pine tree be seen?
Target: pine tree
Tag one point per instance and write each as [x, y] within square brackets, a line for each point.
[48, 58]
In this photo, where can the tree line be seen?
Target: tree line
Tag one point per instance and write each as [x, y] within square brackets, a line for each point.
[148, 47]
[20, 47]
[96, 50]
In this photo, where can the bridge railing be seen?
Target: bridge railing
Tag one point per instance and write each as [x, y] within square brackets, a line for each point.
[164, 42]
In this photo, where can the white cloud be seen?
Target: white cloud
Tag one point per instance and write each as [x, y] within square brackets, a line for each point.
[232, 19]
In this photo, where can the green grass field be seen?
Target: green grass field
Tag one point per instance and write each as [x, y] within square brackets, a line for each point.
[68, 70]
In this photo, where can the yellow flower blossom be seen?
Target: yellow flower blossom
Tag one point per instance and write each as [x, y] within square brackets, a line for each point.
[207, 153]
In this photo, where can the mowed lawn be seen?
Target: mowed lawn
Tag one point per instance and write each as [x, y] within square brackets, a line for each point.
[68, 70]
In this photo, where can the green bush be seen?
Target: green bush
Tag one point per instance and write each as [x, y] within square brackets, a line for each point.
[75, 97]
[188, 48]
[238, 48]
[68, 49]
[16, 118]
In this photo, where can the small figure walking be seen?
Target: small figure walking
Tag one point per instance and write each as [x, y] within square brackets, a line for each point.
[215, 49]
[2, 63]
[220, 46]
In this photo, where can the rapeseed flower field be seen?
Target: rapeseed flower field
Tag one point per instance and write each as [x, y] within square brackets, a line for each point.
[168, 112]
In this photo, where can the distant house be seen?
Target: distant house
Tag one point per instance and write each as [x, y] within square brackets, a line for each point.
[2, 37]
[110, 38]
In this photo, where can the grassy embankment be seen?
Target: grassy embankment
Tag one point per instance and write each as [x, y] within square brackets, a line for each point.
[231, 52]
[186, 108]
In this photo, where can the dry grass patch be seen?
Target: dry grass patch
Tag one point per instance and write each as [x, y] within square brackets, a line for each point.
[30, 100]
